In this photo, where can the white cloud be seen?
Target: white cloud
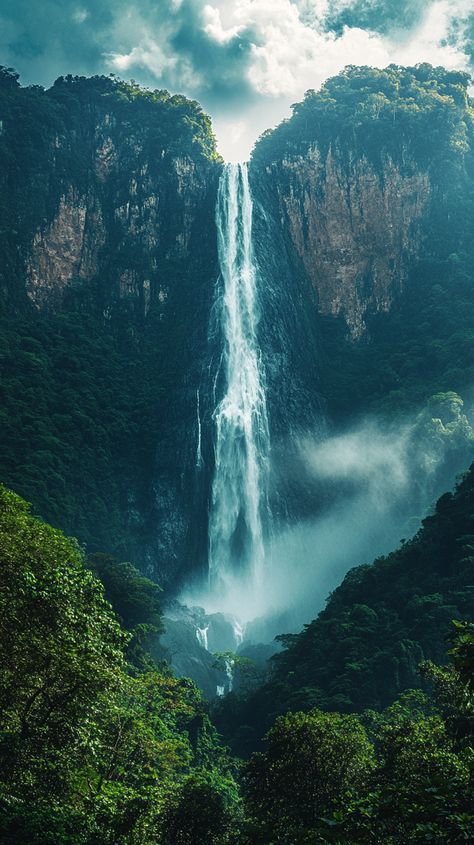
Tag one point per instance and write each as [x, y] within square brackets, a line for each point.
[428, 42]
[148, 54]
[292, 51]
[213, 26]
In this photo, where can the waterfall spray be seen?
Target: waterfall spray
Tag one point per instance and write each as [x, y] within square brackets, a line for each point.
[239, 511]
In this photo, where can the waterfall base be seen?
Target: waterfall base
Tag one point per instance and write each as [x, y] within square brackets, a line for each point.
[196, 655]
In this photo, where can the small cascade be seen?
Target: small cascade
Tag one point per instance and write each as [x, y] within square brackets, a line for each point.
[220, 691]
[238, 633]
[239, 512]
[199, 460]
[229, 670]
[201, 636]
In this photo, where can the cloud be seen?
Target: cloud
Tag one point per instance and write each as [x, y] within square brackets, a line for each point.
[245, 60]
[382, 16]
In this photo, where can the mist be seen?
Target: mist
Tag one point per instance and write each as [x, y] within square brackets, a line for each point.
[367, 489]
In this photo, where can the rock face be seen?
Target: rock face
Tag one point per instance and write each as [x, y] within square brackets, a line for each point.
[354, 229]
[66, 250]
[107, 223]
[136, 226]
[192, 642]
[365, 179]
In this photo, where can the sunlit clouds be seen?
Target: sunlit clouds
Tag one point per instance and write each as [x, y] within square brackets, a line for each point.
[246, 61]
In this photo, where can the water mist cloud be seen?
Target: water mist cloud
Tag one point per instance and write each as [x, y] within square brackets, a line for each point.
[368, 474]
[370, 488]
[365, 455]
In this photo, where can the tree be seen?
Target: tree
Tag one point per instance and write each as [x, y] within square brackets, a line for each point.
[92, 751]
[421, 787]
[315, 766]
[204, 811]
[61, 652]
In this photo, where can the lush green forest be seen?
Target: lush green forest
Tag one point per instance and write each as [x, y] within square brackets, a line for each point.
[362, 730]
[99, 745]
[94, 748]
[77, 424]
[422, 112]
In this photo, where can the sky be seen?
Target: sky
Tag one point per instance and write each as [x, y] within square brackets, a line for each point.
[245, 61]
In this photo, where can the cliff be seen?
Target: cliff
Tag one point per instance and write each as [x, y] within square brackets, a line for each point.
[354, 233]
[108, 261]
[358, 176]
[102, 181]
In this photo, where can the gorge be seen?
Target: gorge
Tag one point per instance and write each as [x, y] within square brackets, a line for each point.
[216, 394]
[236, 430]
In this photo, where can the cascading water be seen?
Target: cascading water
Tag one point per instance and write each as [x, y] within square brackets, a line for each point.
[239, 513]
[201, 636]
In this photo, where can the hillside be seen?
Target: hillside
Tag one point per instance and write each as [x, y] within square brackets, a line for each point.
[365, 647]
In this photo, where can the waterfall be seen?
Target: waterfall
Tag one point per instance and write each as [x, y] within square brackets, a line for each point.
[199, 460]
[239, 511]
[201, 636]
[229, 670]
[238, 632]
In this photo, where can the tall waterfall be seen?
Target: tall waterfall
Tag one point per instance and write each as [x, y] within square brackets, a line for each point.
[239, 508]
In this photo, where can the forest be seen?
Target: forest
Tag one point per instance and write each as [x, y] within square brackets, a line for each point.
[359, 730]
[101, 745]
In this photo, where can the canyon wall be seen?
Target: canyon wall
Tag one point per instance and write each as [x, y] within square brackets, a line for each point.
[108, 268]
[107, 211]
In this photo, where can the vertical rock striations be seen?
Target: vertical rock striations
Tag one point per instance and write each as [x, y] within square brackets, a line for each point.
[359, 175]
[107, 231]
[355, 230]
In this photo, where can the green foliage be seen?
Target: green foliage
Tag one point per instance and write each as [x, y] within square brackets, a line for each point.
[77, 426]
[315, 765]
[420, 111]
[202, 812]
[89, 753]
[61, 651]
[135, 599]
[392, 778]
[365, 646]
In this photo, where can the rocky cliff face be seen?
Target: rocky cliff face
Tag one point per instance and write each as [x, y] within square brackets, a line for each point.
[365, 181]
[107, 213]
[355, 229]
[133, 216]
[64, 250]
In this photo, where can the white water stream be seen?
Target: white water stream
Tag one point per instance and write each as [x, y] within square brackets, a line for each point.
[239, 508]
